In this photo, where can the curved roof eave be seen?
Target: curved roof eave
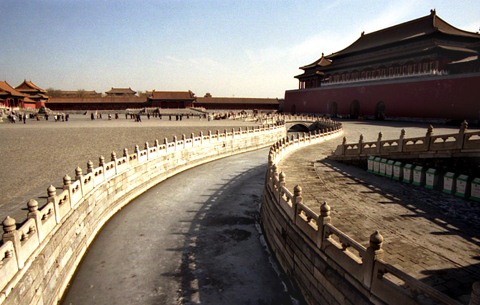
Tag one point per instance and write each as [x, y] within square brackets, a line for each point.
[408, 30]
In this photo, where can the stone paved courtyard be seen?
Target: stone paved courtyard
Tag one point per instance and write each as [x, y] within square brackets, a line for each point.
[430, 235]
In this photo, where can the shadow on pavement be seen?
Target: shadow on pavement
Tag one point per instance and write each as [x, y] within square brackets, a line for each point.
[224, 260]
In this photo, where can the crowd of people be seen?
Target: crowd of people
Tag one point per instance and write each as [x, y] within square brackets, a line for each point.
[135, 114]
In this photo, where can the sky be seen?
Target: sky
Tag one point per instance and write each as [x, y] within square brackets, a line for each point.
[228, 48]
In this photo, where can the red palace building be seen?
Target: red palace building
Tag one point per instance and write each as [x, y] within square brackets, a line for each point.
[423, 68]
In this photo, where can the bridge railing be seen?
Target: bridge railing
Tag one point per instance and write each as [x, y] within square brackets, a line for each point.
[364, 266]
[462, 141]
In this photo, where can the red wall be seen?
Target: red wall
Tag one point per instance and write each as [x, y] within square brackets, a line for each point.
[446, 97]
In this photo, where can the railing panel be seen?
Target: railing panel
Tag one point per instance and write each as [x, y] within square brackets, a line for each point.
[152, 152]
[110, 170]
[47, 219]
[122, 164]
[390, 283]
[472, 141]
[142, 156]
[133, 159]
[87, 183]
[75, 193]
[63, 203]
[98, 176]
[8, 263]
[306, 221]
[28, 240]
[414, 144]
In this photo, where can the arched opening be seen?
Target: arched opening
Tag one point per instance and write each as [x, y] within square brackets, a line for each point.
[298, 128]
[354, 109]
[334, 109]
[380, 111]
[293, 109]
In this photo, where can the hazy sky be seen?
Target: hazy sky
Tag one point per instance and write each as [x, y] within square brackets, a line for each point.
[237, 48]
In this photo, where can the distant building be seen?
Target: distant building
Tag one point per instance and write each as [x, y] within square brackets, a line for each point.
[237, 103]
[171, 99]
[421, 68]
[33, 93]
[12, 98]
[78, 93]
[121, 92]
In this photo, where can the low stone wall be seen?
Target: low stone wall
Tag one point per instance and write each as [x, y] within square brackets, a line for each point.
[327, 265]
[39, 256]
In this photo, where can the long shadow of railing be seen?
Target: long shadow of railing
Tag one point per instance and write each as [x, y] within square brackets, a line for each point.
[457, 216]
[452, 216]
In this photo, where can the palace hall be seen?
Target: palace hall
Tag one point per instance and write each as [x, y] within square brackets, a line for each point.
[423, 68]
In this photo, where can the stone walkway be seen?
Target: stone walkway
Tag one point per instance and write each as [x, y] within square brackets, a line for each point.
[432, 236]
[192, 239]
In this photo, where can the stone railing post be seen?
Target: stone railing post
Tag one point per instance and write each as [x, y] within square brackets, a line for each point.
[32, 205]
[147, 148]
[192, 135]
[281, 183]
[379, 143]
[374, 252]
[274, 178]
[184, 140]
[401, 140]
[360, 144]
[113, 158]
[52, 192]
[344, 146]
[89, 166]
[428, 137]
[165, 142]
[79, 176]
[101, 161]
[323, 219]
[201, 137]
[78, 173]
[10, 233]
[475, 296]
[67, 181]
[175, 142]
[297, 198]
[461, 135]
[137, 151]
